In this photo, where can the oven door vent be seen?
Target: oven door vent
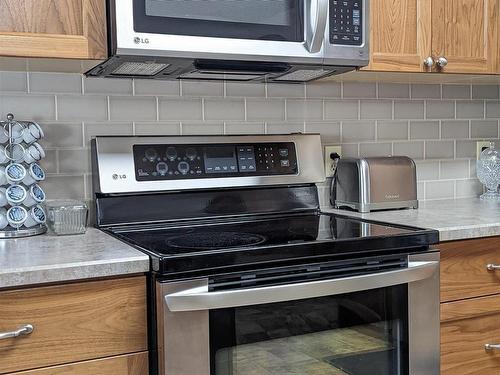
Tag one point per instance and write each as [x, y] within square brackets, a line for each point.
[308, 272]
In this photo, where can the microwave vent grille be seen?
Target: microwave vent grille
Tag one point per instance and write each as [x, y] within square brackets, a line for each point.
[303, 75]
[145, 69]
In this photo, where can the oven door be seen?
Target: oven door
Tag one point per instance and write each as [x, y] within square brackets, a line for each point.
[381, 323]
[221, 29]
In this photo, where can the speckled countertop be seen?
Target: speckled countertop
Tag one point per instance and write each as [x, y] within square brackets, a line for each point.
[455, 219]
[47, 259]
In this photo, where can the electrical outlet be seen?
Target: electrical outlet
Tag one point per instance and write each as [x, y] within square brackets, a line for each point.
[481, 146]
[330, 164]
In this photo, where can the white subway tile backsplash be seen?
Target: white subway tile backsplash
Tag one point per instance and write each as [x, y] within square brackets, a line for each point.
[420, 91]
[245, 89]
[484, 129]
[439, 149]
[341, 109]
[224, 109]
[414, 150]
[456, 92]
[82, 108]
[355, 131]
[492, 109]
[470, 109]
[197, 88]
[297, 109]
[28, 107]
[453, 129]
[454, 169]
[13, 82]
[324, 90]
[392, 130]
[280, 90]
[265, 109]
[439, 189]
[424, 129]
[375, 149]
[157, 128]
[114, 86]
[132, 108]
[393, 90]
[359, 90]
[55, 83]
[156, 87]
[375, 109]
[409, 109]
[365, 118]
[440, 109]
[179, 109]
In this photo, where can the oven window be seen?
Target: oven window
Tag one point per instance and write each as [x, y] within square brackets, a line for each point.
[362, 333]
[278, 20]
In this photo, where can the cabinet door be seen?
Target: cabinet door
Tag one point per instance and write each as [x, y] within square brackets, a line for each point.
[465, 32]
[53, 28]
[400, 35]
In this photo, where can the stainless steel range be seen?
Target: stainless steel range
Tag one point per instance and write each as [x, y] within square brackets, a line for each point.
[249, 277]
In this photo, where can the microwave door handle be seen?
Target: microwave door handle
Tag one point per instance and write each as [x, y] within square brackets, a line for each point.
[199, 298]
[315, 24]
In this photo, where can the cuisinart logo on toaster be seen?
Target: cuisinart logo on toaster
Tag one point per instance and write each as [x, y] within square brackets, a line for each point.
[392, 196]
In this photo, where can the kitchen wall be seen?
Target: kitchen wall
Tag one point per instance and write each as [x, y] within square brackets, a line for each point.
[437, 125]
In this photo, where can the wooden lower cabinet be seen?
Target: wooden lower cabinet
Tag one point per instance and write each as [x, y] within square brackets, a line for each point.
[73, 323]
[129, 364]
[470, 307]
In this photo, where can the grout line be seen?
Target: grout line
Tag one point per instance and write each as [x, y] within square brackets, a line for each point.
[83, 84]
[56, 109]
[28, 88]
[157, 108]
[109, 108]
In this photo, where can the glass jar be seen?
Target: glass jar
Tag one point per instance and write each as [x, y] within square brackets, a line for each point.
[488, 172]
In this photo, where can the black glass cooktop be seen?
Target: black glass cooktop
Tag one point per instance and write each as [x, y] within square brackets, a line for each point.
[208, 245]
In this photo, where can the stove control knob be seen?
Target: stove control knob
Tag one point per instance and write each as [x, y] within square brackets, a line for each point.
[183, 167]
[151, 154]
[162, 168]
[191, 153]
[171, 153]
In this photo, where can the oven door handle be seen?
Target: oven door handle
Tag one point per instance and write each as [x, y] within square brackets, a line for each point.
[199, 298]
[316, 24]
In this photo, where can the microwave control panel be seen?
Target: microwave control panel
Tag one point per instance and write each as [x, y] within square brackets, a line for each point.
[184, 161]
[346, 22]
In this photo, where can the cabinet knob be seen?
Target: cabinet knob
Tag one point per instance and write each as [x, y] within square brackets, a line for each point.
[21, 331]
[429, 62]
[492, 267]
[491, 347]
[442, 62]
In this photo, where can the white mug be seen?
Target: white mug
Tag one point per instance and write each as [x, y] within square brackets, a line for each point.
[34, 153]
[33, 132]
[34, 174]
[36, 216]
[3, 218]
[35, 195]
[16, 216]
[16, 194]
[15, 173]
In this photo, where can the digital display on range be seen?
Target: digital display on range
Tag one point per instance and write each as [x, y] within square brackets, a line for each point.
[181, 161]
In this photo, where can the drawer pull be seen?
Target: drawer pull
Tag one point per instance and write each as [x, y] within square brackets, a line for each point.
[492, 267]
[492, 347]
[21, 331]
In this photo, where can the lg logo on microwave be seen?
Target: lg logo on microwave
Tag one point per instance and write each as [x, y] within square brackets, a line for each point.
[117, 176]
[138, 40]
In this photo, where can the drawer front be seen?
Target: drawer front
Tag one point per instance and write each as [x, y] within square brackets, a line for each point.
[466, 326]
[130, 364]
[73, 322]
[463, 268]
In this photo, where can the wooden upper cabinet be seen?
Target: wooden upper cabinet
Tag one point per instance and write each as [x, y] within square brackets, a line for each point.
[53, 28]
[465, 32]
[400, 35]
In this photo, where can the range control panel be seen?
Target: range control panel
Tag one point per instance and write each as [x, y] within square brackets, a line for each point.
[184, 161]
[346, 22]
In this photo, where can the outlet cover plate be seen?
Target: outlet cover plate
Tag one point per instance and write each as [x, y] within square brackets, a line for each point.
[481, 145]
[330, 165]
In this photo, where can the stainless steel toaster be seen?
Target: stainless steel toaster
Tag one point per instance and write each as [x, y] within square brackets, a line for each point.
[376, 183]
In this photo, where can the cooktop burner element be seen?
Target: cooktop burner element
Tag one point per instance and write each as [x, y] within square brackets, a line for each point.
[215, 240]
